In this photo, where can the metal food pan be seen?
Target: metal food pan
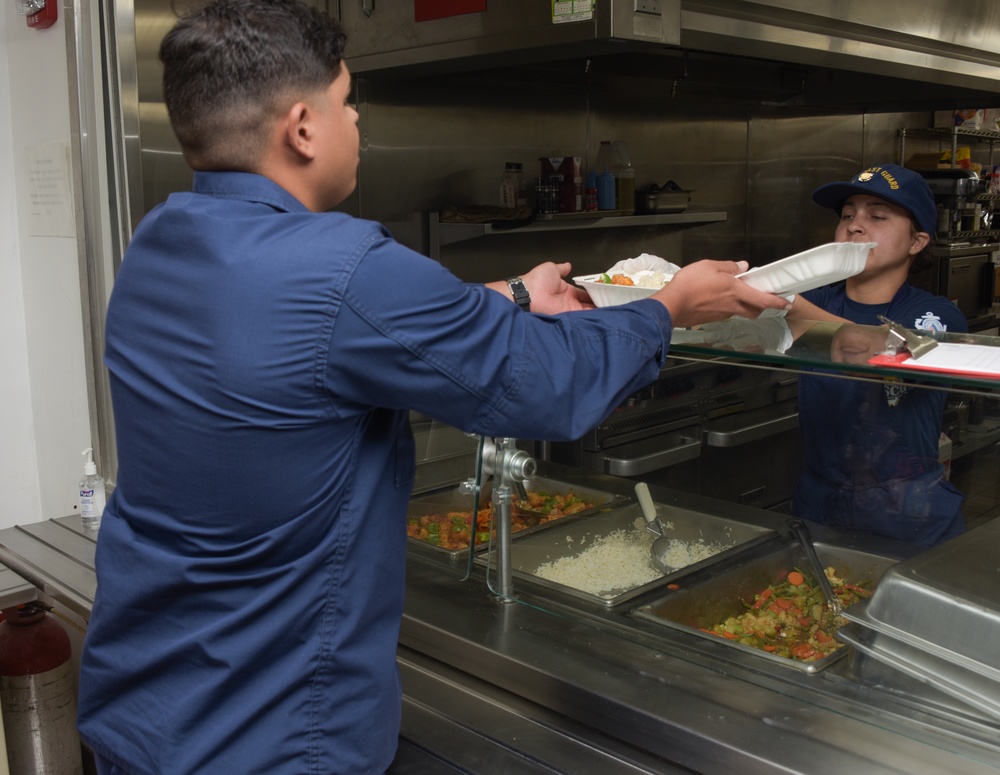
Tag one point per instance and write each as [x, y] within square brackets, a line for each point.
[571, 539]
[703, 603]
[896, 665]
[450, 499]
[945, 601]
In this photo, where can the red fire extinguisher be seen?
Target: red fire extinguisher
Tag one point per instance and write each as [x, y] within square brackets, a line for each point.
[38, 694]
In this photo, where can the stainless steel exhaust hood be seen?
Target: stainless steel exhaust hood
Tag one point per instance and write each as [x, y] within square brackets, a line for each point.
[930, 41]
[384, 36]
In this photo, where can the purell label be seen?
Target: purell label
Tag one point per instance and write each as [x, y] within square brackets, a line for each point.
[87, 505]
[91, 503]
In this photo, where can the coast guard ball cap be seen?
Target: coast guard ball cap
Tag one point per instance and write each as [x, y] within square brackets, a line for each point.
[895, 184]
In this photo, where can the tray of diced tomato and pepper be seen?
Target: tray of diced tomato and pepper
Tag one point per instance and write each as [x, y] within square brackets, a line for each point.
[443, 520]
[792, 619]
[769, 606]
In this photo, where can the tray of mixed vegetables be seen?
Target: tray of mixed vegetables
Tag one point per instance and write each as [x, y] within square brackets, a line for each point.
[441, 522]
[792, 619]
[771, 606]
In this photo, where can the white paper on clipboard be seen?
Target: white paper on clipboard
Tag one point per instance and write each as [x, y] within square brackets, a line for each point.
[970, 359]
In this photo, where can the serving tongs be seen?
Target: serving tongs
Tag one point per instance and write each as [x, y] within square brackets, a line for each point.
[901, 338]
[801, 533]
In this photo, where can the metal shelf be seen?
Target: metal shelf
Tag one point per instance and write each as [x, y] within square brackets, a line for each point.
[949, 135]
[449, 233]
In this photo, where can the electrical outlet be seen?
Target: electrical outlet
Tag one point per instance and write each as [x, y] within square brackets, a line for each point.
[649, 6]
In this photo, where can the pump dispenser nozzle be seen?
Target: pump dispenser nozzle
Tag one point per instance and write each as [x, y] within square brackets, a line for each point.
[89, 466]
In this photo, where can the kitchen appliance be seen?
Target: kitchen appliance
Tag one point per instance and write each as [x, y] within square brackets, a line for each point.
[964, 257]
[964, 273]
[728, 432]
[956, 192]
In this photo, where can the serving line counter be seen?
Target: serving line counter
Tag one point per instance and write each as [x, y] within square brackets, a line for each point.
[547, 682]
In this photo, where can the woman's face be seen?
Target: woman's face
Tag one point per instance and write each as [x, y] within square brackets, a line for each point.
[866, 218]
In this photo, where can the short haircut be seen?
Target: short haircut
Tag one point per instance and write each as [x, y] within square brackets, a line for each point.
[230, 67]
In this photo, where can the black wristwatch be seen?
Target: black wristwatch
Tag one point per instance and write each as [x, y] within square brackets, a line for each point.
[519, 292]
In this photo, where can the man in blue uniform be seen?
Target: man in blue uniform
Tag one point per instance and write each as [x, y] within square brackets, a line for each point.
[870, 450]
[264, 353]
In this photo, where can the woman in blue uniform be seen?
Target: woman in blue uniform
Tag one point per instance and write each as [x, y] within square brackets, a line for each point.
[870, 449]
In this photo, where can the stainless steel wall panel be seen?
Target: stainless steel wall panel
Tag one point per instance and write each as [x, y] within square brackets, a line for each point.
[930, 40]
[387, 38]
[788, 157]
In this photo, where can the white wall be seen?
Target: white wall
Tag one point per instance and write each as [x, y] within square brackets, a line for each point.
[44, 422]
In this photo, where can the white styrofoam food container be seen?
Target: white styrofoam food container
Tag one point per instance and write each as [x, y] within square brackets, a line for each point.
[606, 295]
[810, 269]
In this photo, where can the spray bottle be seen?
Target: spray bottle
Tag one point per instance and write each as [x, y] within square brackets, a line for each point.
[92, 496]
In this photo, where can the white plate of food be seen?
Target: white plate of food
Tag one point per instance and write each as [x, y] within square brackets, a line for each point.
[810, 269]
[628, 280]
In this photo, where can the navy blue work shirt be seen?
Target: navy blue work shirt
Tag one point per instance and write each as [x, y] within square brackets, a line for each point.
[870, 449]
[263, 359]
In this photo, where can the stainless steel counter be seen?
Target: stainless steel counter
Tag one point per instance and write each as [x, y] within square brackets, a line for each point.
[549, 685]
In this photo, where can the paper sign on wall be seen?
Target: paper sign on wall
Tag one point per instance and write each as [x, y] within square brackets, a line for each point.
[424, 10]
[50, 205]
[572, 10]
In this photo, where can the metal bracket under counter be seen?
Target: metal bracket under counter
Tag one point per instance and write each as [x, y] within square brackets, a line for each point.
[56, 557]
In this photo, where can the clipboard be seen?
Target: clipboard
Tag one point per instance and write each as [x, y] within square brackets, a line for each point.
[968, 360]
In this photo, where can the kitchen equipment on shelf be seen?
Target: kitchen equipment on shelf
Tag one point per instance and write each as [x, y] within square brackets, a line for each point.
[668, 198]
[956, 192]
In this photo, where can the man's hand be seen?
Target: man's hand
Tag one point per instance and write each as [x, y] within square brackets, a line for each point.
[706, 291]
[550, 293]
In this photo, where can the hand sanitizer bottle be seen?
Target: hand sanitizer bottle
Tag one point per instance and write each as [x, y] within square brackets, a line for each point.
[92, 496]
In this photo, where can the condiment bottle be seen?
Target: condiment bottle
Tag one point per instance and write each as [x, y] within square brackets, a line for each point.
[605, 176]
[512, 191]
[624, 179]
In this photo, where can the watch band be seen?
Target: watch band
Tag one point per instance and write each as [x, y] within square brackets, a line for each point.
[519, 292]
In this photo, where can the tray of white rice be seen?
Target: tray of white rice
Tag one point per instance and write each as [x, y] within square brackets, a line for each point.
[606, 558]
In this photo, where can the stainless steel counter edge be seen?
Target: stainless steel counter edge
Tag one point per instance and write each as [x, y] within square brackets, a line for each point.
[509, 683]
[675, 700]
[56, 557]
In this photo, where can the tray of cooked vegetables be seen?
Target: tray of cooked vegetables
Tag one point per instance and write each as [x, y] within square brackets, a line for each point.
[771, 607]
[440, 522]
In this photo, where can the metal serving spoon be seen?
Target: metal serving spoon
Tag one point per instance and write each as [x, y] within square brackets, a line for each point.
[655, 526]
